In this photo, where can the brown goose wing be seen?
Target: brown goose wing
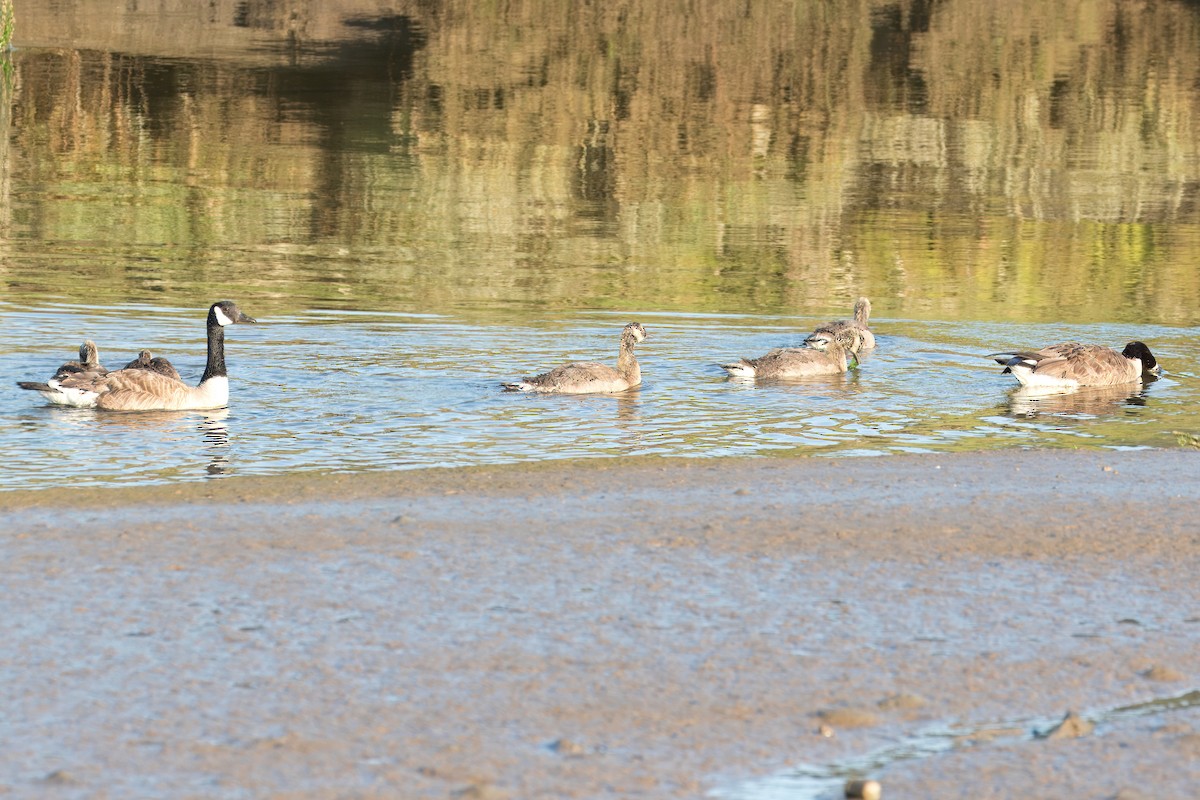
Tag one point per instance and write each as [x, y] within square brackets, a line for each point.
[133, 390]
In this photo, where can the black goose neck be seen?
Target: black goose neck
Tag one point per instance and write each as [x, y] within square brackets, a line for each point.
[216, 352]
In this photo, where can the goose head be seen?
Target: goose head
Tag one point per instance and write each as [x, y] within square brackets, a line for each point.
[1140, 351]
[633, 333]
[226, 313]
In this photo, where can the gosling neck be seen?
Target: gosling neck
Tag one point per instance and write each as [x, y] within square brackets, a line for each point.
[862, 312]
[627, 363]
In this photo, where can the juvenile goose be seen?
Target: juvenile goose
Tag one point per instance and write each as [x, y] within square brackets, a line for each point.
[588, 377]
[824, 356]
[1072, 364]
[146, 390]
[845, 329]
[88, 364]
[146, 360]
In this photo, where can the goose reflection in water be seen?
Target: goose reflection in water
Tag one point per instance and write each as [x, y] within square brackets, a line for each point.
[178, 426]
[215, 430]
[1093, 401]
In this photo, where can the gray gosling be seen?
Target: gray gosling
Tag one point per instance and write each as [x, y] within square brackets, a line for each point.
[846, 329]
[87, 365]
[146, 360]
[825, 355]
[1072, 364]
[147, 390]
[589, 377]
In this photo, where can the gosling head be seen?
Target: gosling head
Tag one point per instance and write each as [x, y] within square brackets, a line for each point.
[1139, 350]
[226, 313]
[89, 356]
[141, 362]
[823, 341]
[848, 337]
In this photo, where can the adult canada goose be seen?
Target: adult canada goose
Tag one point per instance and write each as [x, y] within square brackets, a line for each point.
[146, 390]
[88, 364]
[146, 360]
[1072, 364]
[588, 377]
[824, 356]
[846, 329]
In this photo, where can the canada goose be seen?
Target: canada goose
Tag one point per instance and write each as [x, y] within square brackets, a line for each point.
[88, 364]
[146, 390]
[845, 329]
[1073, 364]
[146, 360]
[824, 356]
[588, 377]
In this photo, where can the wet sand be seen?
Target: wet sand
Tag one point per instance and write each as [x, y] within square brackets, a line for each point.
[611, 629]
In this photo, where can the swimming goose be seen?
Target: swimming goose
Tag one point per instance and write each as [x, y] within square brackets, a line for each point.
[146, 390]
[824, 356]
[846, 329]
[146, 360]
[588, 377]
[1072, 364]
[88, 364]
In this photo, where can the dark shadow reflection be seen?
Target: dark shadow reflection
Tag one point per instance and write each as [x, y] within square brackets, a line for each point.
[215, 430]
[1091, 401]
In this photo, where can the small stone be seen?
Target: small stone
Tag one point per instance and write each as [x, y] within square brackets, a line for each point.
[60, 777]
[1130, 794]
[566, 747]
[482, 791]
[864, 790]
[1072, 726]
[825, 731]
[848, 717]
[901, 702]
[1160, 673]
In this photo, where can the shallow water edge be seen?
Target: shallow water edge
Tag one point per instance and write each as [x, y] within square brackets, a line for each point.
[548, 475]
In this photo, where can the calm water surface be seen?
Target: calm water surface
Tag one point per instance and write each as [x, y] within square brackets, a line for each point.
[418, 206]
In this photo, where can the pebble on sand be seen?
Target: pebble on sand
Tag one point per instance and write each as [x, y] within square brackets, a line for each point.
[848, 717]
[1072, 727]
[863, 790]
[1161, 673]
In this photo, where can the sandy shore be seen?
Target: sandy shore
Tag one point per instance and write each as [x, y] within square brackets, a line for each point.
[612, 629]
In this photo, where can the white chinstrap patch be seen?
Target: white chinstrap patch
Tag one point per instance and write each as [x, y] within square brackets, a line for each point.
[222, 318]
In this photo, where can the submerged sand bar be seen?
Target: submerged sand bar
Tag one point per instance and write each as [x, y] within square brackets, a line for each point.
[609, 629]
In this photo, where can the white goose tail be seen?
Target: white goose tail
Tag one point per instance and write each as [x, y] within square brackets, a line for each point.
[740, 369]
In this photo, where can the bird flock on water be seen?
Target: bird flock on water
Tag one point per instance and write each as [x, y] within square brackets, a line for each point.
[150, 383]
